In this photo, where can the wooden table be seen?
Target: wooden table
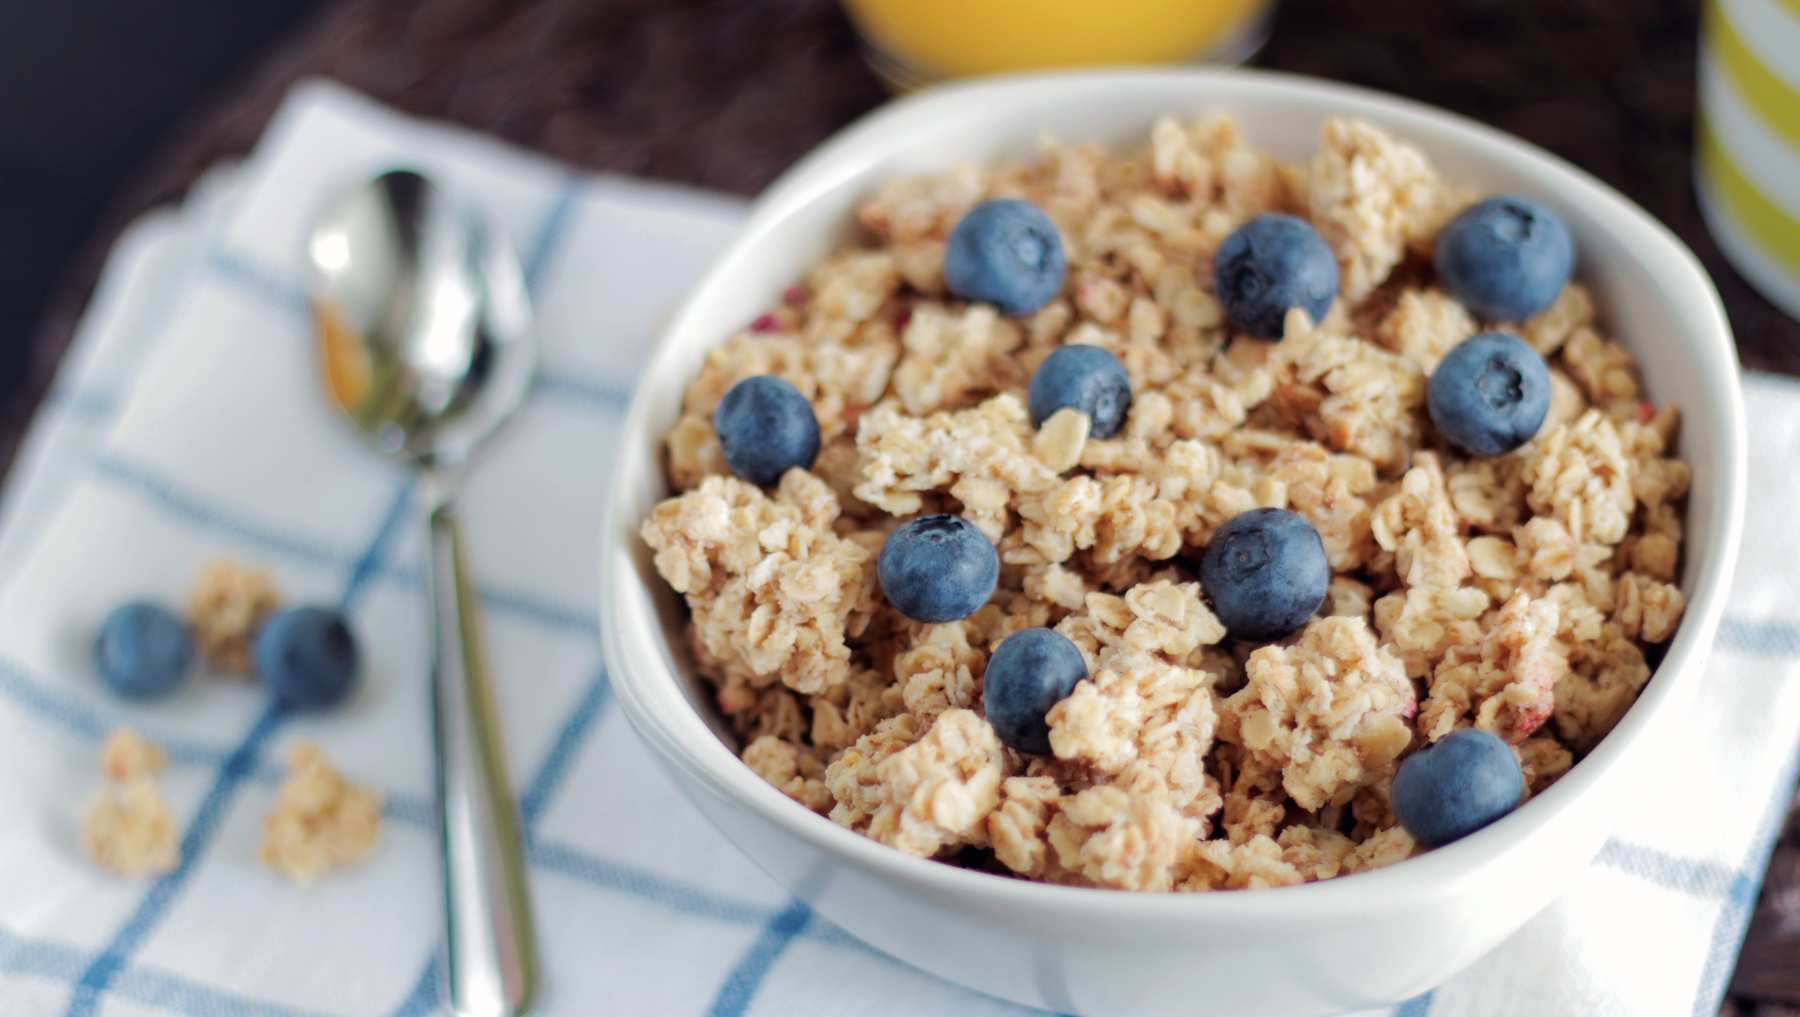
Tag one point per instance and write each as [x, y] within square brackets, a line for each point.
[725, 94]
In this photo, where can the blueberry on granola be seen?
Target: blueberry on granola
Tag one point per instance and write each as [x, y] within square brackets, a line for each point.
[1087, 378]
[143, 650]
[307, 657]
[1031, 671]
[766, 427]
[1265, 573]
[1451, 789]
[1490, 394]
[938, 568]
[1269, 265]
[1005, 252]
[1505, 258]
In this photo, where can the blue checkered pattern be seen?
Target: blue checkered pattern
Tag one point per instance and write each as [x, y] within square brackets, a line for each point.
[101, 475]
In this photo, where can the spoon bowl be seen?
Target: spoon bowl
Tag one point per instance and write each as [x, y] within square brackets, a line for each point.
[423, 319]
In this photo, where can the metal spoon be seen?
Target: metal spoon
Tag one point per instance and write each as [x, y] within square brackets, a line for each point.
[422, 322]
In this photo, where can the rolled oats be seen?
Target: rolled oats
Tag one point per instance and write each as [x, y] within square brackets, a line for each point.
[1579, 475]
[920, 786]
[1424, 325]
[321, 821]
[791, 767]
[773, 590]
[1515, 594]
[1111, 837]
[1547, 330]
[1505, 682]
[1371, 196]
[127, 755]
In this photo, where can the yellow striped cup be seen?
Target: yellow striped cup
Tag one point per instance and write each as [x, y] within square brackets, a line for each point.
[1747, 141]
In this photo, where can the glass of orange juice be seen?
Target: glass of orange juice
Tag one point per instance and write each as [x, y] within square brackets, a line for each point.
[914, 42]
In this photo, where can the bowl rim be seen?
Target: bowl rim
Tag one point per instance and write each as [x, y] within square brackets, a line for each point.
[682, 737]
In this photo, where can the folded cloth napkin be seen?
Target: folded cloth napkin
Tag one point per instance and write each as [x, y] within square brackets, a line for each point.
[187, 426]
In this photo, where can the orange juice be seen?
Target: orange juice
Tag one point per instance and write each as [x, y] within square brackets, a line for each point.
[953, 38]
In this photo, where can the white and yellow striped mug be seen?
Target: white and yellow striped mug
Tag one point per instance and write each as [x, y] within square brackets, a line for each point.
[1747, 141]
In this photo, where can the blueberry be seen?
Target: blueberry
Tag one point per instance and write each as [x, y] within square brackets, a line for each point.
[1490, 394]
[1271, 264]
[766, 427]
[938, 568]
[1505, 258]
[1088, 378]
[143, 650]
[1449, 790]
[1265, 573]
[1033, 670]
[307, 657]
[1005, 252]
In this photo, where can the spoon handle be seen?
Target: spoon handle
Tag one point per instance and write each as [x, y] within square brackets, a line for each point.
[491, 958]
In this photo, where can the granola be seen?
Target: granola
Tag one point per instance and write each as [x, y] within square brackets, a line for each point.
[128, 827]
[229, 601]
[321, 821]
[127, 755]
[1518, 594]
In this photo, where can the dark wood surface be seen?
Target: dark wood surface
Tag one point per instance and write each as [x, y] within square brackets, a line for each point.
[726, 93]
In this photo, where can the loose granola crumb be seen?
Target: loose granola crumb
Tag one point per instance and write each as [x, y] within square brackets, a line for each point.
[127, 755]
[228, 603]
[321, 821]
[127, 827]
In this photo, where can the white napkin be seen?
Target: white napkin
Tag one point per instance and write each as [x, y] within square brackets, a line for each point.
[186, 426]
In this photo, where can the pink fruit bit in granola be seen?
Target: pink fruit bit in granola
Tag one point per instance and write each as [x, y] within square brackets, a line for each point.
[1518, 594]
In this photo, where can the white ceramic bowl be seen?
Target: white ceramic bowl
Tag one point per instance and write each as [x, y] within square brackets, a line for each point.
[1363, 940]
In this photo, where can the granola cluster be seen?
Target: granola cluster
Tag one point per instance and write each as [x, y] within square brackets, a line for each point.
[228, 603]
[321, 820]
[128, 827]
[1524, 595]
